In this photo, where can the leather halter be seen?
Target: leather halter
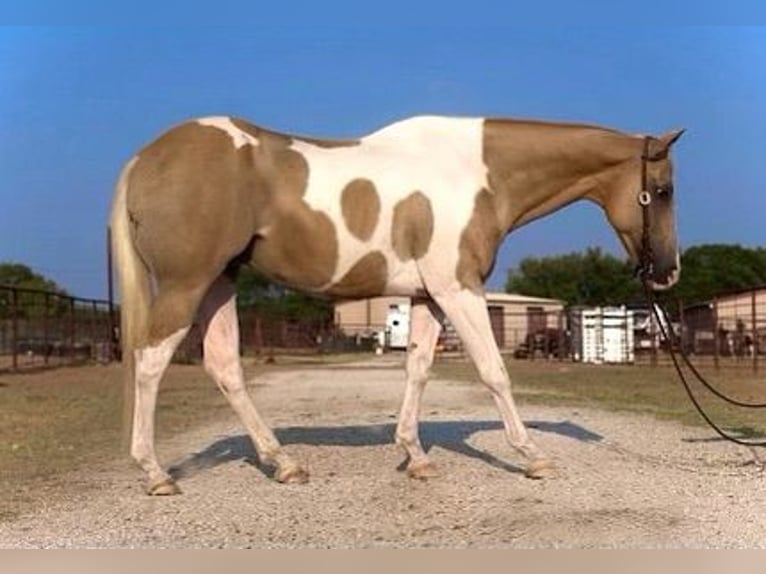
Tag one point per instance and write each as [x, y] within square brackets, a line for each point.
[645, 268]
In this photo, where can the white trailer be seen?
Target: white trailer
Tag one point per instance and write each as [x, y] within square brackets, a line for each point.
[397, 333]
[602, 335]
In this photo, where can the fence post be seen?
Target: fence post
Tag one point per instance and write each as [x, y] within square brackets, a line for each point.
[114, 338]
[46, 331]
[683, 332]
[258, 335]
[71, 326]
[716, 342]
[654, 328]
[94, 346]
[15, 327]
[754, 332]
[560, 319]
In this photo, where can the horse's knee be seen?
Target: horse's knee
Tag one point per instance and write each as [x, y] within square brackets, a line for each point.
[406, 436]
[494, 376]
[419, 362]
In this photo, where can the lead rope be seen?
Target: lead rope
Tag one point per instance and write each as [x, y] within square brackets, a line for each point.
[645, 272]
[661, 316]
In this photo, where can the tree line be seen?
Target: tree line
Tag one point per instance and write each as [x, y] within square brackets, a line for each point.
[587, 278]
[28, 303]
[254, 292]
[596, 278]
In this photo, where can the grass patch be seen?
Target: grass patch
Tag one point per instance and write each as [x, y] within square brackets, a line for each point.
[59, 420]
[638, 389]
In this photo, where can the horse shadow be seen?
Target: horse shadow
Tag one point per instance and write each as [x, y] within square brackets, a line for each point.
[449, 435]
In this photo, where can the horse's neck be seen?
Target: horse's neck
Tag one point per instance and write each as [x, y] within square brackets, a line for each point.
[537, 168]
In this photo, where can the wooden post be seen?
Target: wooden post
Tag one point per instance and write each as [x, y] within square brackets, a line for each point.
[654, 328]
[258, 335]
[754, 331]
[71, 328]
[95, 347]
[562, 337]
[716, 342]
[46, 334]
[115, 351]
[683, 332]
[15, 327]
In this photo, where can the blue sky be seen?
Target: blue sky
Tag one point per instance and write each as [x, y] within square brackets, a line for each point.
[76, 103]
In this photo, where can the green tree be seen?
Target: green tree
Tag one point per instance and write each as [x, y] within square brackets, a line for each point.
[712, 269]
[254, 291]
[595, 278]
[19, 275]
[590, 278]
[28, 303]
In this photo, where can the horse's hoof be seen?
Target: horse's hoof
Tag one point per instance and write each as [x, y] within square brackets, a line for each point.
[539, 469]
[293, 475]
[167, 487]
[422, 471]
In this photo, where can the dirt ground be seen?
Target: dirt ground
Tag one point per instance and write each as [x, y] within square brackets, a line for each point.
[624, 481]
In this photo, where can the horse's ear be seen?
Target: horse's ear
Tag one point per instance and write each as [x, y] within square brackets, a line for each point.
[659, 147]
[669, 138]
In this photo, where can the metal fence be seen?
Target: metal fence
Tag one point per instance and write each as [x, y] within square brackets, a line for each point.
[46, 329]
[729, 331]
[268, 334]
[40, 329]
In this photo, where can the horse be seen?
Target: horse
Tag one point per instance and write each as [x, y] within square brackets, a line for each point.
[417, 208]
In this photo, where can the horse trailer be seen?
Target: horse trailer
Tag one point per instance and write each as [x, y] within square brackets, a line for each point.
[602, 335]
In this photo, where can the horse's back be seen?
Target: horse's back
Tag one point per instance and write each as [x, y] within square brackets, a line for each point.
[345, 217]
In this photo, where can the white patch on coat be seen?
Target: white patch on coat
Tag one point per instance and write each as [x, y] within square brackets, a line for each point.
[440, 157]
[151, 363]
[154, 358]
[225, 124]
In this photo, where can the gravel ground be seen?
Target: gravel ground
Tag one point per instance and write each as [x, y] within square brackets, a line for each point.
[624, 481]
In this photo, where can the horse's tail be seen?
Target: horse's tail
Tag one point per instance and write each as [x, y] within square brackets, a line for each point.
[135, 293]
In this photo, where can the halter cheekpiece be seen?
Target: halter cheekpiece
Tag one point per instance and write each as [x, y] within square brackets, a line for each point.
[645, 268]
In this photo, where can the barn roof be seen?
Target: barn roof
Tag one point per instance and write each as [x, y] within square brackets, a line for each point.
[518, 298]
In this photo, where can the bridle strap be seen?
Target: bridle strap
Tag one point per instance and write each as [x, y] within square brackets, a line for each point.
[645, 269]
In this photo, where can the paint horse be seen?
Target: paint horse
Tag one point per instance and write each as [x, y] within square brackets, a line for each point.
[418, 208]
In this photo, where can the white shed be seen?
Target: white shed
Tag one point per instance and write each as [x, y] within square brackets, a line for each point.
[602, 335]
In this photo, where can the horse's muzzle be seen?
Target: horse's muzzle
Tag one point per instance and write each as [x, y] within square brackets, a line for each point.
[659, 278]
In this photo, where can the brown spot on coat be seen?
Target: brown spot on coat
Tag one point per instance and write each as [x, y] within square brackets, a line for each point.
[360, 206]
[296, 245]
[199, 205]
[479, 242]
[367, 278]
[412, 226]
[299, 248]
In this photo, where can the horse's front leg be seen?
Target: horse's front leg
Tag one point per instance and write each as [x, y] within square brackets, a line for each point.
[467, 311]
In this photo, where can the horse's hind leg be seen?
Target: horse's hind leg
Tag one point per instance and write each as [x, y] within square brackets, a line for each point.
[170, 319]
[467, 311]
[424, 333]
[218, 313]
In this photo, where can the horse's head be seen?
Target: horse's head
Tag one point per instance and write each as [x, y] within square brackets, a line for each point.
[641, 209]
